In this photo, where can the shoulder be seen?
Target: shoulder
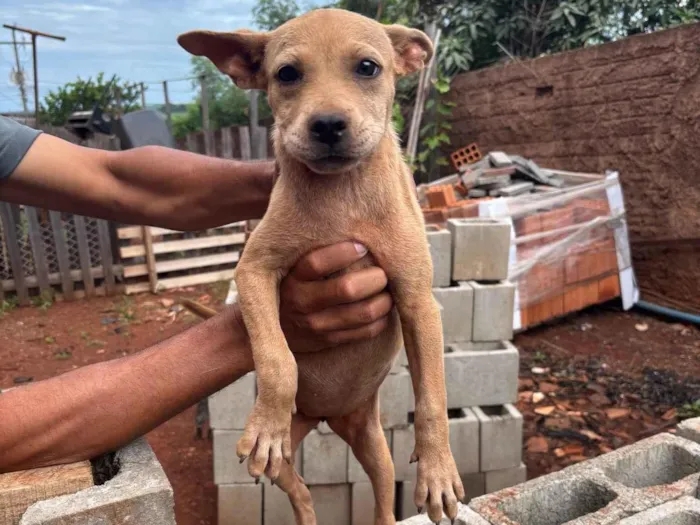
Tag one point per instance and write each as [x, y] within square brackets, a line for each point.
[15, 141]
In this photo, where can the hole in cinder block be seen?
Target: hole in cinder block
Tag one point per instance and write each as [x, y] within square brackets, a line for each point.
[678, 518]
[497, 410]
[558, 503]
[105, 467]
[456, 413]
[658, 465]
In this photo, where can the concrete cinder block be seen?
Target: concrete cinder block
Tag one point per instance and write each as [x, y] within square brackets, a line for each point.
[481, 374]
[480, 249]
[331, 503]
[227, 469]
[465, 516]
[493, 311]
[456, 312]
[325, 459]
[603, 490]
[139, 492]
[464, 440]
[362, 503]
[501, 431]
[474, 485]
[402, 444]
[498, 159]
[229, 408]
[240, 504]
[440, 244]
[683, 511]
[277, 508]
[395, 400]
[502, 479]
[356, 473]
[690, 429]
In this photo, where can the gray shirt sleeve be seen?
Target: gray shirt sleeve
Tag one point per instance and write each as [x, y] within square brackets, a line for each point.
[15, 141]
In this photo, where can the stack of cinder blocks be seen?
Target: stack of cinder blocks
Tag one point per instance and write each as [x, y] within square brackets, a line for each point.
[470, 265]
[653, 482]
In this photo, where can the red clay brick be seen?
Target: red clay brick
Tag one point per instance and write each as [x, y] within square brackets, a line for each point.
[608, 288]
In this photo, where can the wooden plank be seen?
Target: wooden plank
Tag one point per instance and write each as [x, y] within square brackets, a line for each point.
[183, 264]
[59, 239]
[150, 258]
[134, 232]
[38, 249]
[100, 291]
[20, 490]
[226, 143]
[84, 253]
[187, 280]
[191, 143]
[106, 254]
[183, 245]
[244, 137]
[7, 214]
[56, 278]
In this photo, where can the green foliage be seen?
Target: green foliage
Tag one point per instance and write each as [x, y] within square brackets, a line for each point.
[6, 306]
[44, 300]
[434, 135]
[397, 118]
[270, 14]
[228, 105]
[689, 410]
[82, 95]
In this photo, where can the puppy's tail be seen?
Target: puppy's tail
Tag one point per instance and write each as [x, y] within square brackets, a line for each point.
[198, 309]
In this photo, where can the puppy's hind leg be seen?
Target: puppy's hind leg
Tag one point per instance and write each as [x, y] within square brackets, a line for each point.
[362, 430]
[290, 481]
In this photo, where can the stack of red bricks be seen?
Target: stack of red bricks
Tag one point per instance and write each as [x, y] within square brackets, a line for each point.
[442, 203]
[572, 277]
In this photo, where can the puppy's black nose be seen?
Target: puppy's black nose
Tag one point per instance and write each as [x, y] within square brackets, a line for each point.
[328, 128]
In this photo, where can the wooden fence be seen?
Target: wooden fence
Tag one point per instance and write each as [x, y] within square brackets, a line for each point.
[57, 253]
[158, 259]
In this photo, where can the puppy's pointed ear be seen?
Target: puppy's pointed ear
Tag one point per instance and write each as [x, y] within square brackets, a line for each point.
[412, 48]
[239, 55]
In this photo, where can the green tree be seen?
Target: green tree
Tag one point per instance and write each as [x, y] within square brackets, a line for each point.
[228, 105]
[82, 95]
[270, 14]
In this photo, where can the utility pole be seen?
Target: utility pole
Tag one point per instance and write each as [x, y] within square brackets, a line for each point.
[143, 95]
[168, 112]
[34, 34]
[204, 95]
[20, 75]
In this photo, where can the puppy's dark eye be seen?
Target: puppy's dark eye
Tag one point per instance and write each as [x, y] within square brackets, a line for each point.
[288, 74]
[368, 68]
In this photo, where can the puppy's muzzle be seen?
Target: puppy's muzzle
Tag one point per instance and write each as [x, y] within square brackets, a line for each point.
[329, 129]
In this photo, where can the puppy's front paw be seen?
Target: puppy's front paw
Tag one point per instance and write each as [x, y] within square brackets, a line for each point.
[266, 440]
[439, 486]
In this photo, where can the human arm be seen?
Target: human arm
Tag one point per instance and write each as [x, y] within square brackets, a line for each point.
[149, 185]
[101, 407]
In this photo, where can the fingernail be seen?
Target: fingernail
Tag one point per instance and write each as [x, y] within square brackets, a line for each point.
[242, 459]
[420, 510]
[257, 481]
[272, 482]
[360, 248]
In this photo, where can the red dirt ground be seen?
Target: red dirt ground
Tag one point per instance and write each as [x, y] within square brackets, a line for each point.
[42, 343]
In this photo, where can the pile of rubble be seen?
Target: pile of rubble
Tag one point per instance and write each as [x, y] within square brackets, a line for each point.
[496, 175]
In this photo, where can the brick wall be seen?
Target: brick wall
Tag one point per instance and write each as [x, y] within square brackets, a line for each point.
[633, 106]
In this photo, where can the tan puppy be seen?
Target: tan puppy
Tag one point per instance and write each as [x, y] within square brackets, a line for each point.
[330, 80]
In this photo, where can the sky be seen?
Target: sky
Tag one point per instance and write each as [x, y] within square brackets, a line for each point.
[135, 39]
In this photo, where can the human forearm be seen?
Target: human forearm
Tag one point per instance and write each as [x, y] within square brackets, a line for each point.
[151, 185]
[99, 408]
[196, 191]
